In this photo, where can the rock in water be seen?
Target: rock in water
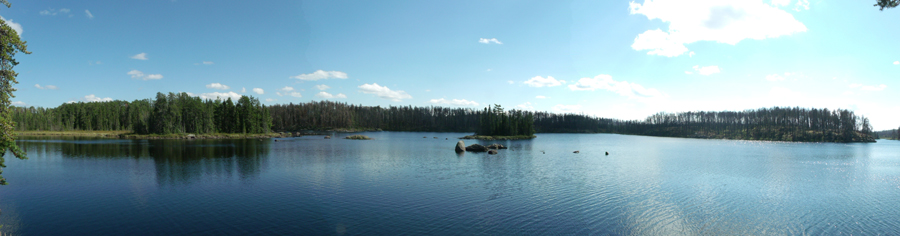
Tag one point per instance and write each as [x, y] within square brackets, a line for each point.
[492, 152]
[496, 146]
[460, 146]
[607, 153]
[476, 148]
[327, 137]
[576, 152]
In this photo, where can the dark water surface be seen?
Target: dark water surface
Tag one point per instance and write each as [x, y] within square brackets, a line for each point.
[401, 183]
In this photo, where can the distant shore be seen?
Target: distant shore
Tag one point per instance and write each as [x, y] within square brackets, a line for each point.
[486, 137]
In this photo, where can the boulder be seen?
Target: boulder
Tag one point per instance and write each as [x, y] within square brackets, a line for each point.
[496, 146]
[327, 137]
[476, 148]
[492, 152]
[576, 152]
[460, 146]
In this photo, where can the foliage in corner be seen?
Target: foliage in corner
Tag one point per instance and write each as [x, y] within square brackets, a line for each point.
[887, 4]
[10, 44]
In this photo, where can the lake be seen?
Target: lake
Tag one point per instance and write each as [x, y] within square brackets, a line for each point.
[403, 184]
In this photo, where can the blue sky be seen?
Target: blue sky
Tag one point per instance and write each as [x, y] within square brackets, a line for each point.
[616, 59]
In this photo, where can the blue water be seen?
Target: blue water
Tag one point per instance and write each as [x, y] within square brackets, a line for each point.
[403, 184]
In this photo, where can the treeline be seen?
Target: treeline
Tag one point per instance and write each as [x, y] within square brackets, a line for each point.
[168, 114]
[888, 134]
[495, 122]
[181, 113]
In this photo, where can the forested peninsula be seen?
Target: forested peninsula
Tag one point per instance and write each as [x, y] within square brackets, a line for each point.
[180, 113]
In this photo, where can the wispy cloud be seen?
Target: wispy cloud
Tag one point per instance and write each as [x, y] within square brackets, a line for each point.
[321, 74]
[322, 87]
[525, 106]
[538, 82]
[53, 12]
[896, 62]
[220, 95]
[140, 56]
[868, 87]
[454, 102]
[88, 14]
[18, 103]
[327, 95]
[489, 41]
[540, 97]
[566, 108]
[93, 98]
[136, 74]
[624, 88]
[384, 92]
[51, 87]
[706, 70]
[259, 91]
[218, 86]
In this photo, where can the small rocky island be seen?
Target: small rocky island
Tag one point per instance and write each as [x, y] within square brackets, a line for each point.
[358, 137]
[490, 149]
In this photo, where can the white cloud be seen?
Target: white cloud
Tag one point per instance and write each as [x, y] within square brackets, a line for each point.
[92, 98]
[624, 88]
[781, 3]
[804, 4]
[287, 89]
[218, 86]
[243, 89]
[140, 56]
[384, 92]
[88, 14]
[327, 95]
[896, 62]
[710, 20]
[511, 82]
[689, 72]
[271, 99]
[136, 74]
[259, 91]
[538, 82]
[15, 26]
[566, 108]
[208, 63]
[525, 106]
[707, 70]
[51, 87]
[321, 74]
[454, 102]
[488, 41]
[295, 94]
[322, 87]
[18, 103]
[540, 97]
[220, 95]
[868, 87]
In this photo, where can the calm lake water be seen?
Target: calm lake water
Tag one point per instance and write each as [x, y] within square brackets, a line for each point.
[403, 184]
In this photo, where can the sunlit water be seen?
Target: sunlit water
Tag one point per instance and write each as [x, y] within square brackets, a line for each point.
[401, 183]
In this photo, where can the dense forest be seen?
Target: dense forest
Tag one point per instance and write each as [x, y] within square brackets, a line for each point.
[495, 122]
[167, 114]
[181, 113]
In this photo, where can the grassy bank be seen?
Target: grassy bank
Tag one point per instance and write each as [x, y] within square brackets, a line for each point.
[485, 137]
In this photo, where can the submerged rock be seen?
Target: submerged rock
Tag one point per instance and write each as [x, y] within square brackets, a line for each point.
[576, 152]
[492, 152]
[460, 146]
[476, 148]
[327, 137]
[496, 146]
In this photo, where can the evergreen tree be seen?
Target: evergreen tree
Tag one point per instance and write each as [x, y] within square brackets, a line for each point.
[10, 44]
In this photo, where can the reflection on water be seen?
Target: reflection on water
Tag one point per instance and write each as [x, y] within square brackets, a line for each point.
[175, 161]
[400, 183]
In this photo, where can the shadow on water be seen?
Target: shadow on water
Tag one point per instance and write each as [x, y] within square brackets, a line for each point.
[175, 161]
